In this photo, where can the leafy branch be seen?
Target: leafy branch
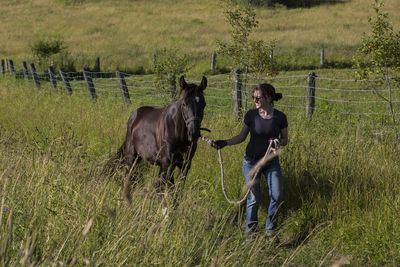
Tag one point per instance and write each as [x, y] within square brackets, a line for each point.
[379, 54]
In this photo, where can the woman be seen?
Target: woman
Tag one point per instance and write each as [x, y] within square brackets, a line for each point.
[264, 123]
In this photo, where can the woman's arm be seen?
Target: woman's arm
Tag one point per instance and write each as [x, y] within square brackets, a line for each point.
[240, 137]
[219, 144]
[284, 138]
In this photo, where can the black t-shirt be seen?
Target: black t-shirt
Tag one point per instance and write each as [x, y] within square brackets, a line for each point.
[263, 130]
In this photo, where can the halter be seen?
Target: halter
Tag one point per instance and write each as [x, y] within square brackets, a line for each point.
[194, 118]
[188, 120]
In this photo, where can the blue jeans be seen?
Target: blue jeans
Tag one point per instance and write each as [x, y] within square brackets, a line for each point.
[273, 176]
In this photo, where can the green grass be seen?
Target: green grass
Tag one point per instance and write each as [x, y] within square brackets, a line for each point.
[125, 34]
[341, 197]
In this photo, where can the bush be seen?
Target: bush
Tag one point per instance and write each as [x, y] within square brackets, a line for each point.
[168, 64]
[52, 51]
[292, 3]
[45, 47]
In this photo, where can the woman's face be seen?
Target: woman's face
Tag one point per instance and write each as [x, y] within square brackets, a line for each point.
[260, 100]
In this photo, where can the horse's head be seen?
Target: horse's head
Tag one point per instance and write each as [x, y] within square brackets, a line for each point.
[193, 104]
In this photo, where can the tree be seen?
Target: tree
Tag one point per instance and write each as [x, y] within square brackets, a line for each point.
[169, 64]
[246, 54]
[378, 57]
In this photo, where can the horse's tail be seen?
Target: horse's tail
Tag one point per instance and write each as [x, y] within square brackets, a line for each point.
[113, 162]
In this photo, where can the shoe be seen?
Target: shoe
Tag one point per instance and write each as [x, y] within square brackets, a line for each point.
[270, 233]
[250, 237]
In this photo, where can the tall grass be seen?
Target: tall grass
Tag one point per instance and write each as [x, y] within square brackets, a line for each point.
[341, 198]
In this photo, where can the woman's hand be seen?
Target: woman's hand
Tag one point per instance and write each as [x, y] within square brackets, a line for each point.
[219, 144]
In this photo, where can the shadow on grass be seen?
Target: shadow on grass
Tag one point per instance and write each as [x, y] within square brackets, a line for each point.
[301, 194]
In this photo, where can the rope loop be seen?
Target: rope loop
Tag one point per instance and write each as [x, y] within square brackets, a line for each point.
[272, 152]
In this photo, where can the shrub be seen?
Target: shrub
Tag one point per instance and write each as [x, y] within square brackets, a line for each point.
[291, 3]
[52, 51]
[168, 64]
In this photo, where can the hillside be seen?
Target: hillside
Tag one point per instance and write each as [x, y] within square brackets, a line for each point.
[125, 34]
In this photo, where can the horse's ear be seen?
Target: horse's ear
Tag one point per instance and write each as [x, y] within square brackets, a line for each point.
[182, 82]
[203, 83]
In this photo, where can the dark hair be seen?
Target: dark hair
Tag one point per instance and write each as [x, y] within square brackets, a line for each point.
[269, 90]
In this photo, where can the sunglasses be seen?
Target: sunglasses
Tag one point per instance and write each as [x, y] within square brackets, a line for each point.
[257, 98]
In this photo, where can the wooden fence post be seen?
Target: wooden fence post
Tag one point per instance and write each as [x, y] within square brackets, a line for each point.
[11, 67]
[25, 70]
[35, 76]
[322, 57]
[311, 94]
[53, 78]
[97, 65]
[172, 85]
[90, 85]
[123, 87]
[3, 68]
[271, 56]
[271, 59]
[237, 91]
[213, 62]
[65, 80]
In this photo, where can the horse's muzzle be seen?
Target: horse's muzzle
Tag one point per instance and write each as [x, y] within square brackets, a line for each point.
[194, 131]
[193, 135]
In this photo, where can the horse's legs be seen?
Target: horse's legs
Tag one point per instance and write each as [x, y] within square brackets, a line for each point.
[185, 164]
[184, 170]
[132, 162]
[180, 182]
[165, 177]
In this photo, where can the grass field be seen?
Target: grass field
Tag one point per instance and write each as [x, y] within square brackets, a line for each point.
[341, 197]
[125, 34]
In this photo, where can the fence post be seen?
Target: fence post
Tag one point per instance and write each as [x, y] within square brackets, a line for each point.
[52, 76]
[311, 94]
[35, 76]
[11, 67]
[213, 62]
[322, 57]
[3, 68]
[237, 93]
[172, 85]
[123, 87]
[97, 65]
[25, 70]
[271, 56]
[90, 85]
[65, 80]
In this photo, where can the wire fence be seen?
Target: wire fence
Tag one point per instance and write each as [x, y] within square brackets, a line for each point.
[332, 95]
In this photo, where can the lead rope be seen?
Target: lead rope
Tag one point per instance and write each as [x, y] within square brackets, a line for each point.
[271, 153]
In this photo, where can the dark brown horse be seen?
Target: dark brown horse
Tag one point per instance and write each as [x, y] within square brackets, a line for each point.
[165, 136]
